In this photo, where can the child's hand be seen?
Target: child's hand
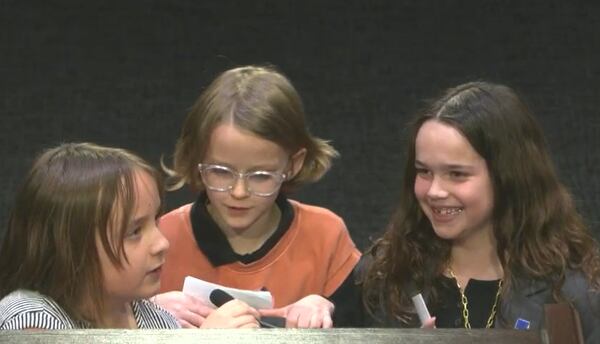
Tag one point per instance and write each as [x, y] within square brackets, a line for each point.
[429, 323]
[312, 311]
[189, 310]
[233, 314]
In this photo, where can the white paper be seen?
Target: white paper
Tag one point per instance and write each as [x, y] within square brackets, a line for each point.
[202, 289]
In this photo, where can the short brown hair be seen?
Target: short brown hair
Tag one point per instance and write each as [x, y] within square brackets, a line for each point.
[68, 198]
[261, 101]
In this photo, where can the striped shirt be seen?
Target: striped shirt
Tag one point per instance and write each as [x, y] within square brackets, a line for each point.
[23, 309]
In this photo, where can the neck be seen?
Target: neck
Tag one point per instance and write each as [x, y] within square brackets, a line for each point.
[116, 314]
[248, 240]
[476, 258]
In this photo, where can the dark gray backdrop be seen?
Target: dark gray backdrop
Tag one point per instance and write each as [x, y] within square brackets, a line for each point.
[123, 73]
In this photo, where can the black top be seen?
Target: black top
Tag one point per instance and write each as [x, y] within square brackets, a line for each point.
[480, 295]
[447, 309]
[214, 244]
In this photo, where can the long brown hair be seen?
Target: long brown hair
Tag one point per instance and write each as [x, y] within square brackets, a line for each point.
[538, 230]
[260, 100]
[68, 198]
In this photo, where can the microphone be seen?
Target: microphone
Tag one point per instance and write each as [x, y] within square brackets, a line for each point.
[418, 302]
[421, 308]
[219, 297]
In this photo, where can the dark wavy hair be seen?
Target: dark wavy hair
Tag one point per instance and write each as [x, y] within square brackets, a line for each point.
[538, 230]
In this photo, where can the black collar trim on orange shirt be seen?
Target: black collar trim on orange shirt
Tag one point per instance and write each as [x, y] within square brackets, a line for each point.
[213, 243]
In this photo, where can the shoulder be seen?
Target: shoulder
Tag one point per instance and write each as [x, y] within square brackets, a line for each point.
[323, 217]
[578, 290]
[176, 218]
[177, 213]
[575, 289]
[149, 315]
[575, 283]
[23, 309]
[528, 296]
[586, 300]
[312, 222]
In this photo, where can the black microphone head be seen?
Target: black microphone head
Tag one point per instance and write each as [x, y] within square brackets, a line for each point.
[219, 297]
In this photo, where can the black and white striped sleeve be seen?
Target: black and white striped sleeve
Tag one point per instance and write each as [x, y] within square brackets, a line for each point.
[19, 311]
[149, 315]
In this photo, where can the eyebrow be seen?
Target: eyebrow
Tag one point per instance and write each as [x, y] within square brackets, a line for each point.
[140, 220]
[267, 166]
[447, 167]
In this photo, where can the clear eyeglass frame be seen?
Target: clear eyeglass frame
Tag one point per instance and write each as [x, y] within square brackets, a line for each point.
[279, 178]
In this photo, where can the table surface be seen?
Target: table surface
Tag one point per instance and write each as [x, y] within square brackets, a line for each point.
[268, 336]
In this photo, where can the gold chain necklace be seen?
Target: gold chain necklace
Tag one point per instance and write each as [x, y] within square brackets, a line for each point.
[465, 303]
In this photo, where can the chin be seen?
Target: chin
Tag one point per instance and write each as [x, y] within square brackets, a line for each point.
[240, 225]
[446, 234]
[239, 229]
[150, 289]
[148, 293]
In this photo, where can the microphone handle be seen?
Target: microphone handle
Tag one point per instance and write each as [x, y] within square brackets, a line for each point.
[219, 297]
[272, 322]
[266, 324]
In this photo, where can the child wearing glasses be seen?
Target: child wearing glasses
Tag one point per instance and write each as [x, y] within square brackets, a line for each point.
[484, 229]
[244, 147]
[82, 249]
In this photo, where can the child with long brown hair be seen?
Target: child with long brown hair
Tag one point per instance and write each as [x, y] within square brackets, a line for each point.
[244, 147]
[83, 250]
[484, 228]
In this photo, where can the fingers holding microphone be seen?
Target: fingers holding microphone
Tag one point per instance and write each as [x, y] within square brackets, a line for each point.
[233, 314]
[312, 311]
[190, 311]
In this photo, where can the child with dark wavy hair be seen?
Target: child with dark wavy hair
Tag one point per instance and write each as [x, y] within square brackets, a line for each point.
[83, 250]
[484, 229]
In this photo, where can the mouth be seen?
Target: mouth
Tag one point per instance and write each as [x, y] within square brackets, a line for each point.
[447, 211]
[237, 209]
[156, 271]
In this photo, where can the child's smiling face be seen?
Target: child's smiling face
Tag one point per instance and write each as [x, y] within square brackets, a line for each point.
[452, 183]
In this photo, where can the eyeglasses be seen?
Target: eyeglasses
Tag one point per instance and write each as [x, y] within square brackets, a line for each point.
[222, 178]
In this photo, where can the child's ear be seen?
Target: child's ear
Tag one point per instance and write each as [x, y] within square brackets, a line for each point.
[297, 162]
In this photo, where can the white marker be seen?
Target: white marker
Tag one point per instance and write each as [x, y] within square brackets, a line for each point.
[421, 308]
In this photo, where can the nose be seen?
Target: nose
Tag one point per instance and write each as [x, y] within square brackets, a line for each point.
[437, 189]
[160, 244]
[240, 188]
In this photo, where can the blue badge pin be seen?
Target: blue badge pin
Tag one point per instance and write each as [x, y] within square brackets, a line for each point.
[522, 324]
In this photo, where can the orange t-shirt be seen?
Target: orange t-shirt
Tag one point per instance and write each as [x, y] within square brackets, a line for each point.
[314, 256]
